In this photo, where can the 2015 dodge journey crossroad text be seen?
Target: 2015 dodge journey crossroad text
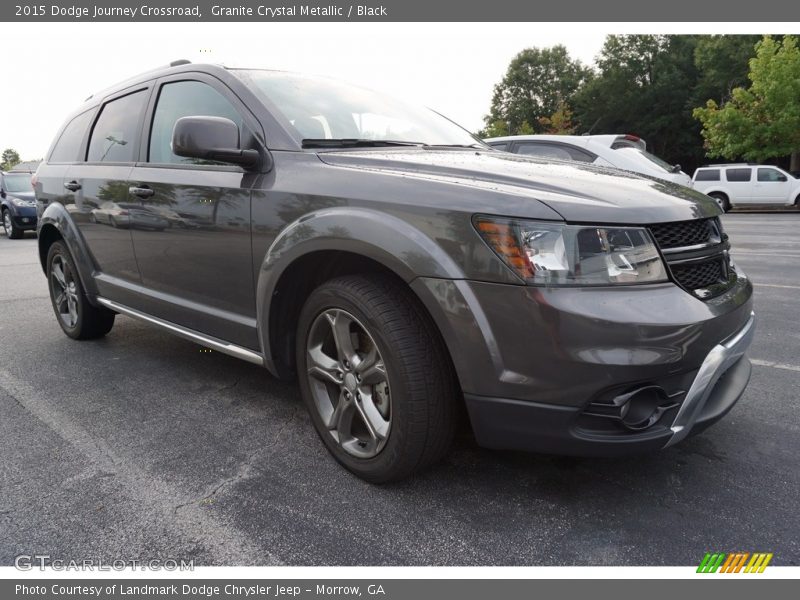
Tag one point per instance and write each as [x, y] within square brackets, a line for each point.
[396, 265]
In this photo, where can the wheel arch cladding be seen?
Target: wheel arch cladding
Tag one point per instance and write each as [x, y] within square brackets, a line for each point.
[320, 246]
[56, 224]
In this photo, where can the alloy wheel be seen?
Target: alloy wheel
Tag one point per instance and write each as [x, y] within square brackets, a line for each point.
[7, 222]
[349, 383]
[65, 291]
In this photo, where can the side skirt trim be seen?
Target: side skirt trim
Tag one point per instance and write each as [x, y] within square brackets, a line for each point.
[186, 333]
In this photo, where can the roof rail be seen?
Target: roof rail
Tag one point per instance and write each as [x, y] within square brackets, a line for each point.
[729, 165]
[179, 62]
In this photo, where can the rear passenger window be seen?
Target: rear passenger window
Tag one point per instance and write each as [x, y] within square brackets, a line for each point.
[545, 151]
[707, 175]
[738, 174]
[115, 133]
[69, 144]
[185, 99]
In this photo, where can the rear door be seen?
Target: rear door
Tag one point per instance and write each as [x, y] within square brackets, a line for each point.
[100, 182]
[739, 181]
[192, 231]
[771, 186]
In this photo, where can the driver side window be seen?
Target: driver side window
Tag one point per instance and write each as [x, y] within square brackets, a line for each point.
[185, 99]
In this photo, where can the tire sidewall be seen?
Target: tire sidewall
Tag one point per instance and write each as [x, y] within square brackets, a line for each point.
[379, 467]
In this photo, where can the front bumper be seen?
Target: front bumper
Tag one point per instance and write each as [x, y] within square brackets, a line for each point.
[541, 368]
[24, 217]
[518, 425]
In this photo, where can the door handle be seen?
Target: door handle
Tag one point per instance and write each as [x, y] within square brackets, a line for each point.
[72, 186]
[142, 192]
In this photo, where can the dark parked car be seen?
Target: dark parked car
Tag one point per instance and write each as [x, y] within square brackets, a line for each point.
[398, 267]
[17, 203]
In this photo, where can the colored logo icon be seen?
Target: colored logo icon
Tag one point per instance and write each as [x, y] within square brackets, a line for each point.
[735, 562]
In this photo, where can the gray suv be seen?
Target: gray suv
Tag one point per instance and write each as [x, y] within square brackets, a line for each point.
[396, 266]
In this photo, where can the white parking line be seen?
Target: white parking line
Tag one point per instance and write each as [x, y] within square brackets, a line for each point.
[776, 285]
[774, 365]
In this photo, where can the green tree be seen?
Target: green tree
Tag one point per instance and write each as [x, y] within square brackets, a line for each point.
[722, 62]
[537, 82]
[10, 158]
[762, 121]
[644, 87]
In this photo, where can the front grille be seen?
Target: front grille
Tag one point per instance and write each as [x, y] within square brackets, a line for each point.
[697, 255]
[700, 276]
[685, 233]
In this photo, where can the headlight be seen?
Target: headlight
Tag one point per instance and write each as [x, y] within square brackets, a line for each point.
[556, 254]
[23, 203]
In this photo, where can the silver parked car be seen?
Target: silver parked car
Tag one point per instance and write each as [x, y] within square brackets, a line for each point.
[622, 151]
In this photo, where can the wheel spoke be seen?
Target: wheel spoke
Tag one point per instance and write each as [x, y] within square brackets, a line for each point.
[323, 367]
[58, 273]
[341, 419]
[340, 327]
[372, 370]
[377, 426]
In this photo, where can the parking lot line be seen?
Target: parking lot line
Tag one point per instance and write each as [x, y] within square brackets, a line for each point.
[777, 285]
[774, 365]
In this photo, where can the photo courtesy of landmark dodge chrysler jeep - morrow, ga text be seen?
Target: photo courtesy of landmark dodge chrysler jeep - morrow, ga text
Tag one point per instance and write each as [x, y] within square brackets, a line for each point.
[395, 265]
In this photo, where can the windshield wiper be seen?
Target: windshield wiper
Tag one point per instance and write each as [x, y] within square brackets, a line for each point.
[354, 143]
[475, 145]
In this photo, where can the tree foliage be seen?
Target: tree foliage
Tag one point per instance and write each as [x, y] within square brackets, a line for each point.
[10, 158]
[538, 81]
[762, 121]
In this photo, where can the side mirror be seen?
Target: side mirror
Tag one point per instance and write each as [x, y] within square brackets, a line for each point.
[211, 138]
[676, 168]
[782, 177]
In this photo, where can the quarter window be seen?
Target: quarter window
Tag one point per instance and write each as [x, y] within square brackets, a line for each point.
[185, 99]
[545, 151]
[707, 175]
[69, 144]
[738, 175]
[114, 135]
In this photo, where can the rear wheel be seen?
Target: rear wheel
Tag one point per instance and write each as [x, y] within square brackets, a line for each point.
[12, 231]
[78, 318]
[375, 378]
[722, 200]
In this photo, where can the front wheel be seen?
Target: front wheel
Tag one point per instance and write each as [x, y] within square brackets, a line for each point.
[722, 200]
[375, 378]
[78, 318]
[12, 231]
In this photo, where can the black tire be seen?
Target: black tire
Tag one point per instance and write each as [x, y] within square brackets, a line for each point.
[725, 204]
[113, 222]
[423, 386]
[90, 321]
[12, 231]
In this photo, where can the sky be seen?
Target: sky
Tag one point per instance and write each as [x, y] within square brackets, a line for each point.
[49, 69]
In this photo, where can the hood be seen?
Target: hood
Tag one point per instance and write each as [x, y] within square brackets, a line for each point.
[577, 191]
[31, 196]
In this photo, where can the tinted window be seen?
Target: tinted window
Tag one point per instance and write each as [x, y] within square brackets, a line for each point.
[69, 144]
[738, 174]
[707, 175]
[770, 175]
[115, 132]
[502, 146]
[545, 151]
[185, 99]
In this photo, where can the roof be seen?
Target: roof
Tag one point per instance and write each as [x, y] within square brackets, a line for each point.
[25, 166]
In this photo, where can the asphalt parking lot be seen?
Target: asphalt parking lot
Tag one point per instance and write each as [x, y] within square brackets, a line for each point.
[141, 446]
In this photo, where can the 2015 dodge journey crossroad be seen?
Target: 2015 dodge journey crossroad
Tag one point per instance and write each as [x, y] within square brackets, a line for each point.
[396, 265]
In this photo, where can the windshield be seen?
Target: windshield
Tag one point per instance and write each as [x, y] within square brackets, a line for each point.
[642, 157]
[322, 109]
[18, 183]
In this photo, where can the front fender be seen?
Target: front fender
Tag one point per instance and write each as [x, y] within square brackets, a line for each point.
[379, 236]
[57, 216]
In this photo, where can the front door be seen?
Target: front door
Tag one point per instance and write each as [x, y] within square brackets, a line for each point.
[771, 186]
[191, 222]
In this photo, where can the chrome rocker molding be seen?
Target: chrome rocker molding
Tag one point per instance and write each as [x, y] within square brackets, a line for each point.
[719, 360]
[188, 334]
